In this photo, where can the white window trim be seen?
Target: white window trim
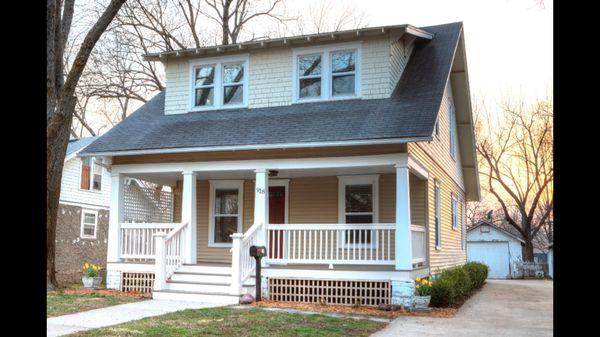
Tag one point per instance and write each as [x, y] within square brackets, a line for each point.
[437, 190]
[372, 179]
[218, 63]
[92, 160]
[81, 233]
[214, 185]
[326, 74]
[454, 210]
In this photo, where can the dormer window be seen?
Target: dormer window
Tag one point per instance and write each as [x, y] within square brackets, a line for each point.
[326, 72]
[219, 83]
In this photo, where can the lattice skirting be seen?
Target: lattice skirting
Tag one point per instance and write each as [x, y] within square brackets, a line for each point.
[137, 282]
[368, 293]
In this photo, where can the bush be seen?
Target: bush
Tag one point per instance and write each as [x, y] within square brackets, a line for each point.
[454, 285]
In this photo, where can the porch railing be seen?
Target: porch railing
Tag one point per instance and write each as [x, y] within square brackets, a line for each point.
[331, 243]
[419, 244]
[169, 254]
[137, 241]
[241, 262]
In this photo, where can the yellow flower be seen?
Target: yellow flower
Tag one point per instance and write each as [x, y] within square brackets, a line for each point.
[418, 279]
[418, 286]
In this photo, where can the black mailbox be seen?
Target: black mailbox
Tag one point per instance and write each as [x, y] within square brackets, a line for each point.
[258, 252]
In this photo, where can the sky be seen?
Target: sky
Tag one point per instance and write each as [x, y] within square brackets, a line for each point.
[509, 42]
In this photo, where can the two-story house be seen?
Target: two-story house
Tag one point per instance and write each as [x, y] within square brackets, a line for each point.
[349, 155]
[82, 223]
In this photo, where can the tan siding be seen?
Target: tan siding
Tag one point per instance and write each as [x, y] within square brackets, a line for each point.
[313, 200]
[450, 253]
[387, 198]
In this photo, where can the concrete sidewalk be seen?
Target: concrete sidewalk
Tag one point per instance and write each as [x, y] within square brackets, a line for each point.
[97, 318]
[502, 308]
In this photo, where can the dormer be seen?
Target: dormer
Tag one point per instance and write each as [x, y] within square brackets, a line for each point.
[356, 64]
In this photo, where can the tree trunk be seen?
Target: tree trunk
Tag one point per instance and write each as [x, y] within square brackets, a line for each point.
[57, 139]
[528, 250]
[225, 26]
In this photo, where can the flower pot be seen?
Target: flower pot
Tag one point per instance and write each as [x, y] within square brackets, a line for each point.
[421, 302]
[91, 282]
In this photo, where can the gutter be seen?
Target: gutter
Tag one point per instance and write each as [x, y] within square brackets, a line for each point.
[257, 147]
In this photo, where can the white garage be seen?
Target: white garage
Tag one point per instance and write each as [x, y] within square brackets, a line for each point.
[500, 250]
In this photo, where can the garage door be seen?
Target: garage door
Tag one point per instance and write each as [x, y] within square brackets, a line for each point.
[494, 254]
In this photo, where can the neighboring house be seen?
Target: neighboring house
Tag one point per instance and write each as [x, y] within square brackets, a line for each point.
[349, 155]
[82, 227]
[551, 260]
[501, 250]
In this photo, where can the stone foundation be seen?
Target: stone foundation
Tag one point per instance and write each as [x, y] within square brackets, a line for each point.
[403, 292]
[72, 251]
[113, 279]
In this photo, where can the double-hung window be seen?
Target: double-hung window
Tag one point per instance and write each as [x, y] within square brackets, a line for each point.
[91, 174]
[226, 211]
[219, 83]
[454, 208]
[358, 197]
[438, 225]
[89, 224]
[328, 72]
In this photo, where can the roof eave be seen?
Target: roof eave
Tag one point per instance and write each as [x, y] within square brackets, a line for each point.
[256, 147]
[289, 41]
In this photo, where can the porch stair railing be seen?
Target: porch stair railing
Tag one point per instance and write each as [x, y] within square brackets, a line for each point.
[170, 250]
[242, 264]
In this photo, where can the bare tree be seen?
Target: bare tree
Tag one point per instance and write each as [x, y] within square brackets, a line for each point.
[330, 16]
[517, 163]
[60, 102]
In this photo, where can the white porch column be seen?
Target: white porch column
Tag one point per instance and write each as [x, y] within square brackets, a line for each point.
[188, 214]
[403, 235]
[261, 203]
[115, 217]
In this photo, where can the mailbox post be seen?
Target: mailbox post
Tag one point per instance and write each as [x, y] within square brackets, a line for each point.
[258, 252]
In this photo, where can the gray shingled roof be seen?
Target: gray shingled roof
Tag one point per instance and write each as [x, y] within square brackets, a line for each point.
[410, 113]
[77, 144]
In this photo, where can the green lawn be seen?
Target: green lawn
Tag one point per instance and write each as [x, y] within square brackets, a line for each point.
[239, 323]
[59, 303]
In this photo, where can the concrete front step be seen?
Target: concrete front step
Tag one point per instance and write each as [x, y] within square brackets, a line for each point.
[199, 286]
[199, 277]
[205, 297]
[205, 269]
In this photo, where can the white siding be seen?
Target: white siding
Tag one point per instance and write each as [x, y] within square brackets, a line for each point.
[70, 186]
[270, 74]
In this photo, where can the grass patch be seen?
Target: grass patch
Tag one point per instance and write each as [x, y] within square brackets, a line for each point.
[239, 323]
[61, 303]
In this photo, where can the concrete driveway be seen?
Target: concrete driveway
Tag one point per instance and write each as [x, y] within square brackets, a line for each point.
[501, 308]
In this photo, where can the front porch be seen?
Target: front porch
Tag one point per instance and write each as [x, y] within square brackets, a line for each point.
[338, 218]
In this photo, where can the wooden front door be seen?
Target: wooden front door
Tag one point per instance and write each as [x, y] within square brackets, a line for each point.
[276, 216]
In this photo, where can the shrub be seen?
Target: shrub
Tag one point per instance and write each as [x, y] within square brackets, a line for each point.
[454, 285]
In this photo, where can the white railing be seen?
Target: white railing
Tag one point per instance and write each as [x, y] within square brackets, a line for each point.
[418, 243]
[242, 263]
[137, 241]
[331, 243]
[170, 250]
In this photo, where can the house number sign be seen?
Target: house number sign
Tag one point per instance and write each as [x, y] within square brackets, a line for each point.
[260, 190]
